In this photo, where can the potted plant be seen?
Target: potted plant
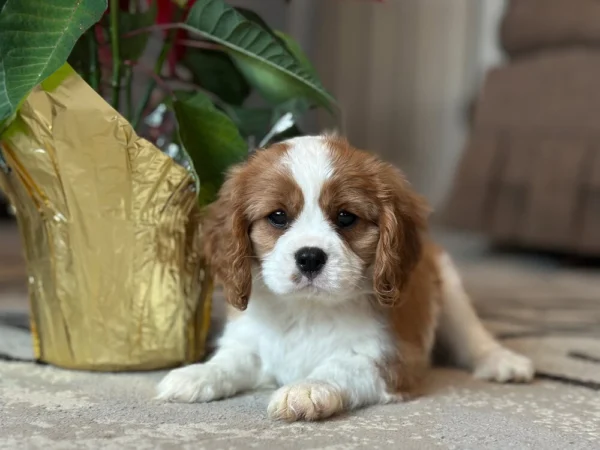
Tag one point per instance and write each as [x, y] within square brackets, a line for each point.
[108, 196]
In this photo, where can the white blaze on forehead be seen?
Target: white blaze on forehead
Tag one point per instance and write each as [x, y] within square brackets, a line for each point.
[309, 161]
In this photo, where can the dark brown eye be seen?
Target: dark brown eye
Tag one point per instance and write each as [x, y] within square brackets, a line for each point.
[278, 219]
[345, 219]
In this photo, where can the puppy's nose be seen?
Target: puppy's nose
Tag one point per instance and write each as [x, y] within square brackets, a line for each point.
[310, 260]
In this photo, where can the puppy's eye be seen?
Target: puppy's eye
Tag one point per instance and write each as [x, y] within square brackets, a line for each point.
[345, 219]
[278, 219]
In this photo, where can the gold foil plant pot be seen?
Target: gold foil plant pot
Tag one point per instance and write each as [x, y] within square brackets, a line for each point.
[111, 231]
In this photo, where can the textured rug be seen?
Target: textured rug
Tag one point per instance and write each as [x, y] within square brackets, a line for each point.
[537, 305]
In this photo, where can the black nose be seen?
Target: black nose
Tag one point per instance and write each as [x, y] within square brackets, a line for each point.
[310, 260]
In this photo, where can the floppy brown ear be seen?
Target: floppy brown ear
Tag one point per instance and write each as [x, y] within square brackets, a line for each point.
[227, 246]
[402, 221]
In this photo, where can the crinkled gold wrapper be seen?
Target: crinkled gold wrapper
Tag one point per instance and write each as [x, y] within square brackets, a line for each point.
[111, 232]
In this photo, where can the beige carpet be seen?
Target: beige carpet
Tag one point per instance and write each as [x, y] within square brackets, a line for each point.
[537, 305]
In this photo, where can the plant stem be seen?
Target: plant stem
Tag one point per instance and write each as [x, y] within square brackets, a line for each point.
[114, 44]
[94, 66]
[128, 79]
[166, 48]
[201, 44]
[151, 28]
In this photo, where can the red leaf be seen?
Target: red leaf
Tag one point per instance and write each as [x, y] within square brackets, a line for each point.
[178, 50]
[104, 54]
[165, 11]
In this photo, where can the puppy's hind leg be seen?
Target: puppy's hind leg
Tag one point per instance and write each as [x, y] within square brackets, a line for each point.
[470, 344]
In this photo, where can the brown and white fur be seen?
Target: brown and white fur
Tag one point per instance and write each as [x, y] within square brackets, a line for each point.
[360, 328]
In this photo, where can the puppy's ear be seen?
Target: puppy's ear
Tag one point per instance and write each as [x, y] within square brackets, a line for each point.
[227, 246]
[401, 224]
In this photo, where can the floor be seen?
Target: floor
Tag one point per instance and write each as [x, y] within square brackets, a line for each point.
[539, 305]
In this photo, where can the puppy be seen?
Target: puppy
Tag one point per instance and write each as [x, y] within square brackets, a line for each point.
[324, 249]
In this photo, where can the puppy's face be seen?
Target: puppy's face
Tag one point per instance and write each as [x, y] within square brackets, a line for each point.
[313, 217]
[317, 233]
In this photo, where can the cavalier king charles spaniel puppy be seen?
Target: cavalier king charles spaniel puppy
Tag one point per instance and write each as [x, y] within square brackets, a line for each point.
[340, 294]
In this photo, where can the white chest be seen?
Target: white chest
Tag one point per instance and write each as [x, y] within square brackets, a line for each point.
[292, 342]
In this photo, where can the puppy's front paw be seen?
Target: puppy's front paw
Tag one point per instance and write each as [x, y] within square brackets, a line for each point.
[195, 383]
[309, 400]
[503, 365]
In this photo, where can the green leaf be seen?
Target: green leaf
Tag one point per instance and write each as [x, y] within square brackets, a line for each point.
[262, 126]
[36, 38]
[251, 122]
[210, 138]
[254, 17]
[297, 51]
[263, 59]
[132, 47]
[215, 72]
[257, 122]
[296, 106]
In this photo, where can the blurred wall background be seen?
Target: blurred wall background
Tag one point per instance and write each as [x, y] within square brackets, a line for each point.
[405, 72]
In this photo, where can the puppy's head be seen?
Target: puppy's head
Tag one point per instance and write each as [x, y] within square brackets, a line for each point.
[313, 217]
